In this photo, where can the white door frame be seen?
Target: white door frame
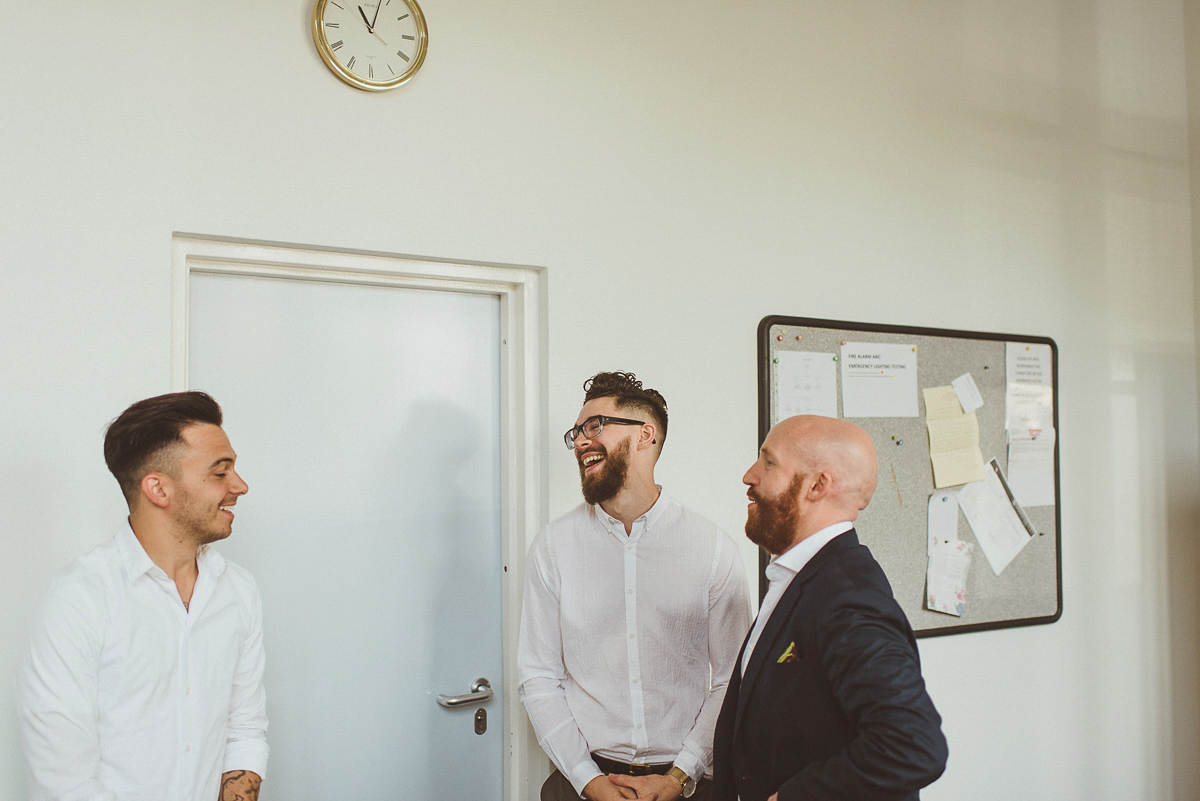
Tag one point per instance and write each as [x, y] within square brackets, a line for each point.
[523, 448]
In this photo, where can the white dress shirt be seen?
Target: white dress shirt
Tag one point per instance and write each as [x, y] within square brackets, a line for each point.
[627, 641]
[128, 696]
[780, 573]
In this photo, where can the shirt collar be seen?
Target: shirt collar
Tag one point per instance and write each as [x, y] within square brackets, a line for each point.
[134, 558]
[793, 560]
[138, 563]
[647, 520]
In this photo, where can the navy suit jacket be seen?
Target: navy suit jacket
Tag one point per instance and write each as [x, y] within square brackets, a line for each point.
[845, 715]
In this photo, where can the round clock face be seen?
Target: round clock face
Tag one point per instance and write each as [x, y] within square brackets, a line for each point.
[373, 45]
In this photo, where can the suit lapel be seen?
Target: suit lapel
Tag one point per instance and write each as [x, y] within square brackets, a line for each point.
[766, 648]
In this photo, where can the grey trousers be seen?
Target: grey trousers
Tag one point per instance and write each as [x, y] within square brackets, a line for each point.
[557, 788]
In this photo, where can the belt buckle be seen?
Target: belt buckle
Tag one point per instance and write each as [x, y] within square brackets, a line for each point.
[639, 769]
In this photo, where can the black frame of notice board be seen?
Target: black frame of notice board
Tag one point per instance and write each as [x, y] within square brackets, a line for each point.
[895, 531]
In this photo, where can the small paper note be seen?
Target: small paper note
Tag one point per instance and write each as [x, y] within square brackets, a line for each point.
[999, 524]
[967, 392]
[879, 380]
[805, 383]
[953, 439]
[946, 577]
[943, 518]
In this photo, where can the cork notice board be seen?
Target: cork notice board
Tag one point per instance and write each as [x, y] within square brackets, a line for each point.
[895, 526]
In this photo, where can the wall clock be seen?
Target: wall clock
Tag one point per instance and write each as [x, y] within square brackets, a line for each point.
[374, 45]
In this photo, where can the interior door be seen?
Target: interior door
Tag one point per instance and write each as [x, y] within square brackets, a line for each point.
[367, 424]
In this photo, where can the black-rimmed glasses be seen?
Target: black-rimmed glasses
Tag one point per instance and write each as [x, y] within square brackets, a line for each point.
[592, 427]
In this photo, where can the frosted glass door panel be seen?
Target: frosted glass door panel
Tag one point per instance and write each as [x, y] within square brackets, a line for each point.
[367, 424]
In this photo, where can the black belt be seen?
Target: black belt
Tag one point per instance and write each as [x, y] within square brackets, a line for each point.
[636, 769]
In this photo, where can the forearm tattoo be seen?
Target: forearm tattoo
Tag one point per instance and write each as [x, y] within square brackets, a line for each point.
[240, 785]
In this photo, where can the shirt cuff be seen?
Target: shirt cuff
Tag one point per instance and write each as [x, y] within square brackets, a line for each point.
[247, 755]
[690, 764]
[583, 773]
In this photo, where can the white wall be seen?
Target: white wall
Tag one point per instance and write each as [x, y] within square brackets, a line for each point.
[682, 169]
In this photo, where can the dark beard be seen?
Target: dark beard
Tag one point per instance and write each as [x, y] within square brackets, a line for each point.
[772, 522]
[607, 482]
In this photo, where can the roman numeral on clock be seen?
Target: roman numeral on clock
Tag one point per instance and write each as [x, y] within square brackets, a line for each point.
[336, 45]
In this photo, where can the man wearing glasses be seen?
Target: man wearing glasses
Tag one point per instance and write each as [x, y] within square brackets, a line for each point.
[634, 612]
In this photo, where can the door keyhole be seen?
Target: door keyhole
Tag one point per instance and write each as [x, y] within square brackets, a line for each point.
[480, 720]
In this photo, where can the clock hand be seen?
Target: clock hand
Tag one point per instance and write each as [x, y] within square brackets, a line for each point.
[370, 27]
[380, 38]
[378, 6]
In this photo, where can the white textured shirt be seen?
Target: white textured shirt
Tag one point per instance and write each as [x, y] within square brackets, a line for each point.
[780, 573]
[128, 696]
[627, 641]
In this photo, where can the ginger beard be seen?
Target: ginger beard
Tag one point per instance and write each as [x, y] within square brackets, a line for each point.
[773, 522]
[603, 483]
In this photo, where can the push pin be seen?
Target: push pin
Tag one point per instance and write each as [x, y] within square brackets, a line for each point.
[798, 337]
[779, 338]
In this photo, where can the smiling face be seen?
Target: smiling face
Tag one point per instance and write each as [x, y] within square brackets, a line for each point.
[603, 461]
[205, 485]
[811, 472]
[773, 487]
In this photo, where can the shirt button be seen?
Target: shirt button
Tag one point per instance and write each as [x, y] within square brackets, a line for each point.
[631, 636]
[635, 681]
[639, 725]
[630, 591]
[187, 748]
[188, 691]
[629, 547]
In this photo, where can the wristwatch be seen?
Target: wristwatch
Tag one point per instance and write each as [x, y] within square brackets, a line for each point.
[689, 784]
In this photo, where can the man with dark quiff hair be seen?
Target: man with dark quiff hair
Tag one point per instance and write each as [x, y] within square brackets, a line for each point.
[634, 610]
[146, 436]
[143, 678]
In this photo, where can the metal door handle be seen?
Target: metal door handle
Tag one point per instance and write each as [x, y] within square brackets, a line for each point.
[481, 691]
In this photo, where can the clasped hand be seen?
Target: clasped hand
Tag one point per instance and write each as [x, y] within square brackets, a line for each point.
[640, 788]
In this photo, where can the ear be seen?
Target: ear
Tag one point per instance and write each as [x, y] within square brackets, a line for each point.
[648, 436]
[156, 488]
[821, 487]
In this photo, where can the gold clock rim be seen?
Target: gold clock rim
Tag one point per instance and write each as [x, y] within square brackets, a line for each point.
[362, 83]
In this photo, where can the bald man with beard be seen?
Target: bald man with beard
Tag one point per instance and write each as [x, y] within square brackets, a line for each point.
[826, 700]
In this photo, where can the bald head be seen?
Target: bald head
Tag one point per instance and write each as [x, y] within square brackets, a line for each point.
[811, 472]
[840, 448]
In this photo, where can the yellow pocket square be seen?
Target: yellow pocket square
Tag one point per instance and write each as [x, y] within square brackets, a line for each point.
[789, 655]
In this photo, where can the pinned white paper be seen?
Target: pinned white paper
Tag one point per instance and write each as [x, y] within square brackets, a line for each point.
[999, 524]
[1031, 467]
[943, 518]
[946, 578]
[1029, 393]
[967, 392]
[805, 383]
[879, 380]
